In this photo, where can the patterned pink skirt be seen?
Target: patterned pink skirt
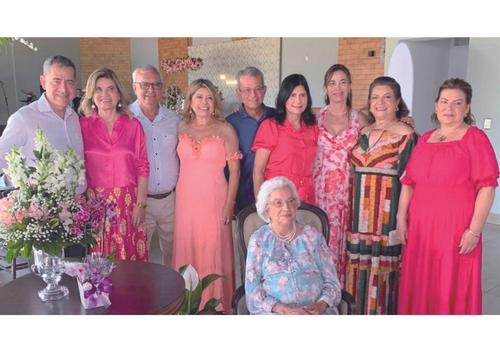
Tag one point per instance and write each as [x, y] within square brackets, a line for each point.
[119, 237]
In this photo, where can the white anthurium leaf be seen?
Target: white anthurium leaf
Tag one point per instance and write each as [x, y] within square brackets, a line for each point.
[191, 278]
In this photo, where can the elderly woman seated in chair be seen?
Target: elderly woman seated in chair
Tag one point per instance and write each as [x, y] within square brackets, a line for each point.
[289, 267]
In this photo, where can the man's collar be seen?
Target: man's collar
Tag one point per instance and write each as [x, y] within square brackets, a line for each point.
[44, 106]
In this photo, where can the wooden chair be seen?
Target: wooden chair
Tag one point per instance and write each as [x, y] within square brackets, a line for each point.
[248, 221]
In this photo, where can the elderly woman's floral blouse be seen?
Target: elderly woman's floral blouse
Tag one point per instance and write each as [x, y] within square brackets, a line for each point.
[297, 273]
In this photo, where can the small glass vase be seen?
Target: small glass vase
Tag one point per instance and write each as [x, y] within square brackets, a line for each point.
[49, 268]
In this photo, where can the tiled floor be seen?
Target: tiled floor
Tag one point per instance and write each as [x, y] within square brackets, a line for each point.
[491, 269]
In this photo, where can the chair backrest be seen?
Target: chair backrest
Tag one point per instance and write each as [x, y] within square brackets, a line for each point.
[248, 221]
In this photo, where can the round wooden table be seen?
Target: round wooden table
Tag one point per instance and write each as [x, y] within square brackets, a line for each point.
[139, 288]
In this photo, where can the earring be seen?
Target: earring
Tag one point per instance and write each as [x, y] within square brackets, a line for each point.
[93, 106]
[119, 104]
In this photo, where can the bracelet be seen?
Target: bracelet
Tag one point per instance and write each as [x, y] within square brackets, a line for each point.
[141, 205]
[477, 235]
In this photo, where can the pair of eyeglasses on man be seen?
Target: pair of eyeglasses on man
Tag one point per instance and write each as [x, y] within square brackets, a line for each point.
[146, 86]
[248, 91]
[279, 203]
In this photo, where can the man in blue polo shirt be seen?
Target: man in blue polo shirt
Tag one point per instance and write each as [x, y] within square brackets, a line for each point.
[251, 91]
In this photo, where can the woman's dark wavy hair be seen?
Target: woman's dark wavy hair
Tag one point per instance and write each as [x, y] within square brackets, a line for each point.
[401, 111]
[328, 75]
[286, 89]
[457, 84]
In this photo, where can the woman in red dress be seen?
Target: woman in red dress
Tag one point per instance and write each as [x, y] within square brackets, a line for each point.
[116, 164]
[285, 145]
[448, 190]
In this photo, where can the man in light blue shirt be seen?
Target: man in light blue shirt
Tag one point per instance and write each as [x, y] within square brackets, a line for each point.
[251, 90]
[161, 128]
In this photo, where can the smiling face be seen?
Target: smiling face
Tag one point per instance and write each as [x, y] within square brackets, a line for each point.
[106, 95]
[60, 87]
[282, 207]
[383, 103]
[251, 91]
[202, 103]
[338, 87]
[451, 107]
[297, 102]
[148, 88]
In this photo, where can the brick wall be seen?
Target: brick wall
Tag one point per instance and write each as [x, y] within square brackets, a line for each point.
[113, 53]
[172, 48]
[354, 53]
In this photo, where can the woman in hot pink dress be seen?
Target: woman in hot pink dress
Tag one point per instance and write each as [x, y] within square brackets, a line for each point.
[285, 145]
[205, 201]
[339, 126]
[448, 190]
[116, 164]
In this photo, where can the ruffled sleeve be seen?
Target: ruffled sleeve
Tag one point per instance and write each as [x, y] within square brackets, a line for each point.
[267, 135]
[234, 156]
[408, 171]
[484, 165]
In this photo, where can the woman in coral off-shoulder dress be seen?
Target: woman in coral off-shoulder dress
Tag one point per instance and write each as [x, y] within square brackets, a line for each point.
[116, 163]
[205, 201]
[448, 189]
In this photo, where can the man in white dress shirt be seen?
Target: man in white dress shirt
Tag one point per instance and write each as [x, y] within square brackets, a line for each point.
[161, 128]
[51, 113]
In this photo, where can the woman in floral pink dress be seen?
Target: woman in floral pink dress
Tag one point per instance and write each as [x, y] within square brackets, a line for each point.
[339, 126]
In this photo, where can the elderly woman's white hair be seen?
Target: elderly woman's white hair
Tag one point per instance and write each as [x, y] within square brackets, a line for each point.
[267, 188]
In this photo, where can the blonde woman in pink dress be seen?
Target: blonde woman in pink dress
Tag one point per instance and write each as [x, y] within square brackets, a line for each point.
[339, 126]
[205, 200]
[116, 164]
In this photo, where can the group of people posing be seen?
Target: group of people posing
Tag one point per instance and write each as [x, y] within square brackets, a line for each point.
[405, 216]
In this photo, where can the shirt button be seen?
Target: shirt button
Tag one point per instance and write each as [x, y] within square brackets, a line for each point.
[156, 154]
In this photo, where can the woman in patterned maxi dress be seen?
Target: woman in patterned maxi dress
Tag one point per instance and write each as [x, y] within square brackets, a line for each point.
[379, 158]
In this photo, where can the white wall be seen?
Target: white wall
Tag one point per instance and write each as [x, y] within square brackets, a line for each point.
[310, 57]
[20, 68]
[483, 74]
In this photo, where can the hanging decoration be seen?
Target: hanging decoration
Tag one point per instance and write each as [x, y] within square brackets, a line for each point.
[171, 66]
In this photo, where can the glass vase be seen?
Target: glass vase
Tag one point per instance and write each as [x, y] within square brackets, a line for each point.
[49, 268]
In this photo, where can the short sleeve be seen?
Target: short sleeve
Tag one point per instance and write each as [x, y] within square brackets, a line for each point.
[267, 135]
[484, 165]
[407, 177]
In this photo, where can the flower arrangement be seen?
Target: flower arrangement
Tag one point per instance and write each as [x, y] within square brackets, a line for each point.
[180, 64]
[194, 289]
[94, 281]
[43, 211]
[173, 98]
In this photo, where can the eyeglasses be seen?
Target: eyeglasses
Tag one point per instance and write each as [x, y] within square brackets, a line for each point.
[279, 203]
[145, 85]
[248, 91]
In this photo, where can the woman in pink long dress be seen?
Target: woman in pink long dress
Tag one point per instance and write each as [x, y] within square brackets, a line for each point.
[448, 190]
[116, 164]
[339, 126]
[205, 201]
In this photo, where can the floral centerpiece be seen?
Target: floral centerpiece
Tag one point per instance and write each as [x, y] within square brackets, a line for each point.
[94, 281]
[43, 212]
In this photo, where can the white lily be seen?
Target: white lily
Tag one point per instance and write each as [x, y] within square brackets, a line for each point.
[190, 278]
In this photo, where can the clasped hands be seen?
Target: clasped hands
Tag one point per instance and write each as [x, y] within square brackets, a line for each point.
[317, 308]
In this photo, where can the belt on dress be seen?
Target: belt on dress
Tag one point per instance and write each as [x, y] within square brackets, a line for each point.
[161, 195]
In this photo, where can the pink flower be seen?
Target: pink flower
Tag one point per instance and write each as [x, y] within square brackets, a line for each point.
[65, 216]
[35, 212]
[6, 217]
